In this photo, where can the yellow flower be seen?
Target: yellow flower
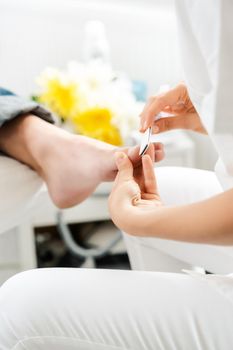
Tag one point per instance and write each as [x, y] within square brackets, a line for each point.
[61, 98]
[96, 122]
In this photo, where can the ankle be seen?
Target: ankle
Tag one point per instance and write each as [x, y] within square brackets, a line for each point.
[42, 140]
[15, 140]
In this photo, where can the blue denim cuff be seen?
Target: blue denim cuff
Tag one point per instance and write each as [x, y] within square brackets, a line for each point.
[5, 92]
[12, 106]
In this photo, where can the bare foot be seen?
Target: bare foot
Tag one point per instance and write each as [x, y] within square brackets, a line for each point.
[72, 166]
[77, 165]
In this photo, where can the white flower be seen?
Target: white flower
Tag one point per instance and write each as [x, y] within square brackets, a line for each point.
[102, 87]
[93, 74]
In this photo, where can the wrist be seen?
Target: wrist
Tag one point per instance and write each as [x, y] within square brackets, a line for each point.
[150, 223]
[133, 221]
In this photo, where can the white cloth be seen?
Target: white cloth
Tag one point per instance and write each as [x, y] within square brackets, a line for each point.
[19, 187]
[179, 186]
[205, 32]
[102, 310]
[80, 309]
[67, 309]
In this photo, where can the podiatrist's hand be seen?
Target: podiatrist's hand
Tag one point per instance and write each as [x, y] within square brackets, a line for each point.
[134, 192]
[177, 103]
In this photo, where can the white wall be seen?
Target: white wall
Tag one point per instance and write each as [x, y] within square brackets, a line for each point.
[37, 33]
[142, 35]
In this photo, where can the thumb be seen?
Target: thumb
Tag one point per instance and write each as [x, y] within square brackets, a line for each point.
[124, 166]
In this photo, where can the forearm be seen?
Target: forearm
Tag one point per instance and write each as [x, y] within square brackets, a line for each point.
[209, 221]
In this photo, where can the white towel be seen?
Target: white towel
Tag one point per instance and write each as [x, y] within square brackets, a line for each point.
[19, 187]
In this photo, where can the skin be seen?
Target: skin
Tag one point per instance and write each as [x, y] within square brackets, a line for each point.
[71, 165]
[135, 205]
[177, 103]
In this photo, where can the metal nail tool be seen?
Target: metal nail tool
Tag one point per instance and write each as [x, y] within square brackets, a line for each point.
[145, 141]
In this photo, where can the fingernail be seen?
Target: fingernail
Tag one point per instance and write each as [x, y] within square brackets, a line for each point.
[155, 129]
[119, 156]
[145, 156]
[145, 126]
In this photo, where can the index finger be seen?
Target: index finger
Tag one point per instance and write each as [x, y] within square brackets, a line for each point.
[157, 104]
[149, 175]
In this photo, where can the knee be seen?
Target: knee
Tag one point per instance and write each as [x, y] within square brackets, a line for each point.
[18, 308]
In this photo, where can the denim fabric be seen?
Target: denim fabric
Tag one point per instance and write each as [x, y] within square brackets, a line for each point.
[12, 106]
[4, 92]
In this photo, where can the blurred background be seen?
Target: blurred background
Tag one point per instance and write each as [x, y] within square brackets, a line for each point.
[141, 34]
[137, 43]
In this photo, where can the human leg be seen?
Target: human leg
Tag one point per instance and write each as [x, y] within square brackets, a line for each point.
[71, 165]
[104, 309]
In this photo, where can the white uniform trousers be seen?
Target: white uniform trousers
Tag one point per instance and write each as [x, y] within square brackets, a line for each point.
[85, 309]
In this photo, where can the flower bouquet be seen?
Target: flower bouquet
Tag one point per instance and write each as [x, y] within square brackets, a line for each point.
[92, 100]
